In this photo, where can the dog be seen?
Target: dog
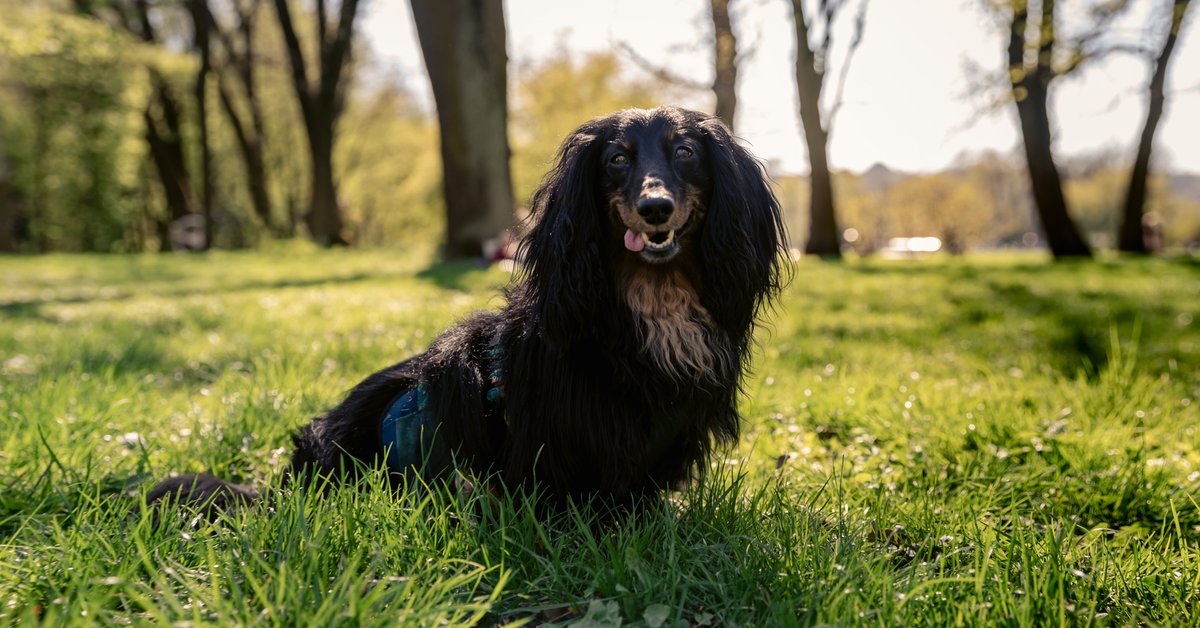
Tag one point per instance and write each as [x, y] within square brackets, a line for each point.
[614, 368]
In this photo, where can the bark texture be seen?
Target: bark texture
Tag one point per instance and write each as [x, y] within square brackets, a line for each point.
[1030, 89]
[823, 237]
[725, 62]
[1132, 236]
[321, 103]
[463, 42]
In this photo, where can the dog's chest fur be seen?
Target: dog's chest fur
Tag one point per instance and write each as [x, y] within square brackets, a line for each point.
[673, 325]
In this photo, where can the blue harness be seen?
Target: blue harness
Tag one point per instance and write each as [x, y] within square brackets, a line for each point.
[408, 435]
[408, 432]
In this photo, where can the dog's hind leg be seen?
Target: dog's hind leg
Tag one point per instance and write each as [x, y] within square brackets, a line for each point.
[205, 493]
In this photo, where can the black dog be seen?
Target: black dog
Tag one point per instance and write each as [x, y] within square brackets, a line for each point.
[616, 363]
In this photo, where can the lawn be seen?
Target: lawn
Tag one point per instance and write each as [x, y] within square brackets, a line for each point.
[980, 441]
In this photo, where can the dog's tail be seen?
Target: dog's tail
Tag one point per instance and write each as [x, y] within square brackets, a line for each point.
[205, 493]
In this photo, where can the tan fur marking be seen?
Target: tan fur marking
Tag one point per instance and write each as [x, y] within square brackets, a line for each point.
[692, 201]
[673, 321]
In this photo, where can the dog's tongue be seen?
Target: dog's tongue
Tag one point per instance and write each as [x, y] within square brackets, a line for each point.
[634, 241]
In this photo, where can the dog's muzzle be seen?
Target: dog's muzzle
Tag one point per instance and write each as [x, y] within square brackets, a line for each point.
[655, 246]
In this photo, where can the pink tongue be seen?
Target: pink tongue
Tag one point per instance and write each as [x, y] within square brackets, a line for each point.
[634, 241]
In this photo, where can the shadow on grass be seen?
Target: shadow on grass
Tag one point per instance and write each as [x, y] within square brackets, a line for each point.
[30, 308]
[457, 275]
[1072, 326]
[1076, 334]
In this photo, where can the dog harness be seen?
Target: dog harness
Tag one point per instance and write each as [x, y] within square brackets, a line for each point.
[409, 435]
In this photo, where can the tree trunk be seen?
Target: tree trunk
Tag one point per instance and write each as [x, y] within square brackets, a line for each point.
[10, 208]
[201, 23]
[725, 62]
[165, 144]
[166, 151]
[321, 106]
[252, 157]
[324, 217]
[256, 181]
[823, 230]
[1132, 237]
[256, 170]
[1061, 233]
[463, 42]
[240, 53]
[1030, 91]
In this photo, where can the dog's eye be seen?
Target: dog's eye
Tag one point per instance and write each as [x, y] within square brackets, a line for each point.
[618, 160]
[683, 152]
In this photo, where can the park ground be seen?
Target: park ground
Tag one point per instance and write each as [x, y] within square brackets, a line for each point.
[985, 440]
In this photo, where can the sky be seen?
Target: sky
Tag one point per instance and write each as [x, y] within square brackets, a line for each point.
[910, 102]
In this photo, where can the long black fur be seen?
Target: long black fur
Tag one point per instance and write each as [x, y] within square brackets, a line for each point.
[586, 414]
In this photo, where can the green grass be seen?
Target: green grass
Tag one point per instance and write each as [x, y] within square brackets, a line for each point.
[978, 441]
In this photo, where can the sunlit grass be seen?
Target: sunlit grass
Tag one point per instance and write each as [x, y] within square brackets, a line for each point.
[980, 441]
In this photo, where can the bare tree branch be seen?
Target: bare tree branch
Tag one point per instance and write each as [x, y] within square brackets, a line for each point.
[322, 27]
[830, 9]
[860, 23]
[321, 105]
[725, 62]
[340, 52]
[656, 70]
[1089, 46]
[295, 58]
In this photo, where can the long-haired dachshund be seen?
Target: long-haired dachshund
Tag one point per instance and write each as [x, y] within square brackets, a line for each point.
[615, 366]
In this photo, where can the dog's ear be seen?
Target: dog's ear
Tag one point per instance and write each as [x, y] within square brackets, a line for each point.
[562, 249]
[742, 235]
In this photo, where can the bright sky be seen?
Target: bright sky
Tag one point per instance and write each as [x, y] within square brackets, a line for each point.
[908, 100]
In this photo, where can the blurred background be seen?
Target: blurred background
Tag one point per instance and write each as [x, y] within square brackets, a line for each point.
[889, 128]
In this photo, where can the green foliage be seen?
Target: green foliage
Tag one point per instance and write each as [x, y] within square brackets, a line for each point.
[960, 441]
[984, 203]
[72, 140]
[75, 172]
[389, 168]
[1097, 200]
[945, 205]
[67, 114]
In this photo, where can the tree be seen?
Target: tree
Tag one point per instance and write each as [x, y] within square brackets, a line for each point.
[1132, 237]
[202, 42]
[163, 116]
[387, 157]
[10, 205]
[725, 60]
[68, 129]
[1037, 54]
[238, 68]
[1031, 88]
[463, 42]
[321, 104]
[812, 63]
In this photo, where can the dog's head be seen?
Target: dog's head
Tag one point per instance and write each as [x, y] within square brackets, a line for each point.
[655, 178]
[661, 188]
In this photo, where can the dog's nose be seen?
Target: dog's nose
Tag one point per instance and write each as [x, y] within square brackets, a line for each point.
[655, 209]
